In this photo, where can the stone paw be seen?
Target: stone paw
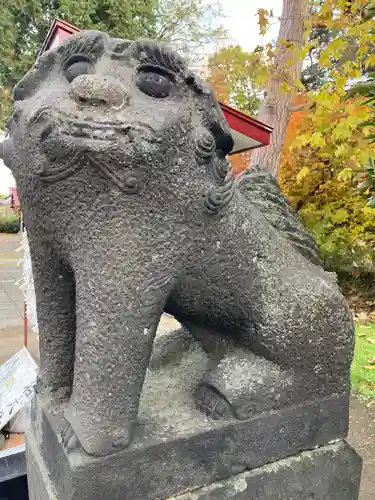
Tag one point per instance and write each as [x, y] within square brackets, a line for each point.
[58, 393]
[97, 440]
[213, 403]
[242, 385]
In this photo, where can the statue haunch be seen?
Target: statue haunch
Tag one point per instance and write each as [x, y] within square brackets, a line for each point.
[119, 153]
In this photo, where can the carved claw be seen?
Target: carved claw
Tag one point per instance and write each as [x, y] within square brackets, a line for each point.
[68, 437]
[212, 403]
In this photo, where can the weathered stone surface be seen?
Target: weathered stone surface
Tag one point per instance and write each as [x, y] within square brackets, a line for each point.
[175, 447]
[39, 482]
[119, 153]
[328, 473]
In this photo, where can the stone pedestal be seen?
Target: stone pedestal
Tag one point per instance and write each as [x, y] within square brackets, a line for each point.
[327, 473]
[179, 453]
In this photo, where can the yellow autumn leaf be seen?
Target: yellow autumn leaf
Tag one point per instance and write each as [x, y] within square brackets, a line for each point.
[336, 47]
[345, 175]
[300, 85]
[354, 73]
[339, 216]
[341, 150]
[368, 211]
[368, 367]
[325, 59]
[302, 174]
[263, 22]
[327, 10]
[370, 61]
[318, 140]
[300, 141]
[342, 130]
[285, 87]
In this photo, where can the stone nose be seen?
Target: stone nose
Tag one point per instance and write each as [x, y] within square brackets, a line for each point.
[91, 90]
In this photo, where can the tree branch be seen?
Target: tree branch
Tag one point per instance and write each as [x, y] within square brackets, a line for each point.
[300, 107]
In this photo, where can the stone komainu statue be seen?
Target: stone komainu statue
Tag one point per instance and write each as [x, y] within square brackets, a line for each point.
[119, 153]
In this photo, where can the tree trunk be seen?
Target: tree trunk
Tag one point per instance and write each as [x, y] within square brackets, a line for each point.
[276, 108]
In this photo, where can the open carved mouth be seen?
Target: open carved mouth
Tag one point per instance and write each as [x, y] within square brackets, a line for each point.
[58, 127]
[59, 124]
[105, 131]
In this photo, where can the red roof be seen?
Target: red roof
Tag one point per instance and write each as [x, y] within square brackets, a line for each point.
[15, 200]
[247, 132]
[59, 29]
[245, 125]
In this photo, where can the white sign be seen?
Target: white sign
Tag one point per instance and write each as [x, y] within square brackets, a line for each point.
[17, 381]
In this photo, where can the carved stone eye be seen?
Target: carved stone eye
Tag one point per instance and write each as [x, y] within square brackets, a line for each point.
[154, 83]
[76, 66]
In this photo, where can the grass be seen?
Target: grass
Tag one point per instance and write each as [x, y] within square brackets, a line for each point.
[363, 367]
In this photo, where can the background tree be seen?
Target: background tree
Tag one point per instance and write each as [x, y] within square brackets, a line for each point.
[238, 76]
[282, 81]
[192, 26]
[324, 150]
[24, 24]
[326, 145]
[313, 75]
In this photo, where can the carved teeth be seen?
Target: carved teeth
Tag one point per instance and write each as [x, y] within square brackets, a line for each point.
[85, 129]
[97, 130]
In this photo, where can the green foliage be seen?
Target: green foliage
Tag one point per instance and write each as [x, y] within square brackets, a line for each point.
[237, 77]
[367, 180]
[319, 175]
[325, 155]
[343, 226]
[363, 367]
[10, 224]
[24, 25]
[314, 75]
[367, 184]
[191, 25]
[122, 19]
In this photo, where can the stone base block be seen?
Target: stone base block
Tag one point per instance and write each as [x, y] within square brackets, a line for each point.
[175, 447]
[160, 463]
[332, 472]
[328, 473]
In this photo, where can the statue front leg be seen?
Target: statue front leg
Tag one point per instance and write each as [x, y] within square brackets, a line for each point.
[118, 311]
[55, 300]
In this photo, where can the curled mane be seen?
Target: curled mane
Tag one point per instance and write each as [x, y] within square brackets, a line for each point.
[263, 191]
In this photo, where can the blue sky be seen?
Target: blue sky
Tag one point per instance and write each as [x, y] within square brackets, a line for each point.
[241, 23]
